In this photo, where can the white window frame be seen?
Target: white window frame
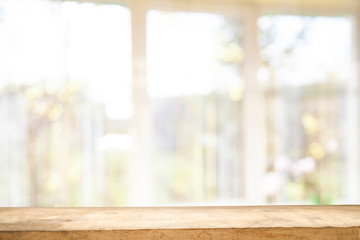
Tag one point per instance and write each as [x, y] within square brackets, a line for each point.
[255, 153]
[255, 159]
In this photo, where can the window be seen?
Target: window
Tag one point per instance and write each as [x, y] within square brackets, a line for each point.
[123, 103]
[195, 89]
[65, 103]
[311, 102]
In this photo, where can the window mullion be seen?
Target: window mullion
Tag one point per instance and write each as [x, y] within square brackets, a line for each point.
[140, 174]
[254, 116]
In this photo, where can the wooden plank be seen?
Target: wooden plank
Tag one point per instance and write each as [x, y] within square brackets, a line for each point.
[208, 234]
[250, 222]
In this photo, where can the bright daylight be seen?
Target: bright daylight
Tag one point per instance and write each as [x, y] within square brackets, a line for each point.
[178, 104]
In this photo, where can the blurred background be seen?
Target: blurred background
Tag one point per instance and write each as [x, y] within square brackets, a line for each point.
[179, 102]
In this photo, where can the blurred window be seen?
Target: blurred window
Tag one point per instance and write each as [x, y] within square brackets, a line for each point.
[65, 103]
[311, 97]
[195, 88]
[176, 103]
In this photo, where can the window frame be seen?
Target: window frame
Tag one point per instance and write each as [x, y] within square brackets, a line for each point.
[249, 15]
[255, 136]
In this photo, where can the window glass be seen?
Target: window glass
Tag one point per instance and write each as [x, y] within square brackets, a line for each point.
[310, 91]
[195, 88]
[65, 100]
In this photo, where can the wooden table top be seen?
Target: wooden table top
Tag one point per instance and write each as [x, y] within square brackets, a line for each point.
[132, 218]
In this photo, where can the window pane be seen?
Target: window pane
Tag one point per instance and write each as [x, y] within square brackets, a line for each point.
[194, 69]
[311, 99]
[65, 102]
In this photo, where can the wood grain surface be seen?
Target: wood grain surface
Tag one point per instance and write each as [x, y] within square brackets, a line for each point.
[247, 222]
